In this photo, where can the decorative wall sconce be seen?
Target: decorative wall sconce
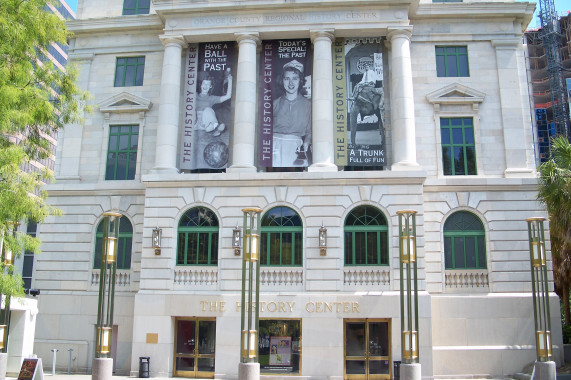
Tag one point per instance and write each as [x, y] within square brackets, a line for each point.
[157, 234]
[323, 241]
[236, 240]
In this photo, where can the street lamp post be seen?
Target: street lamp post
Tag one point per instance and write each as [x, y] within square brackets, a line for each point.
[545, 367]
[249, 367]
[103, 363]
[410, 367]
[8, 267]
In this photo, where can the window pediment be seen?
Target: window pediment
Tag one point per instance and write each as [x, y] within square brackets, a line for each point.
[125, 103]
[456, 93]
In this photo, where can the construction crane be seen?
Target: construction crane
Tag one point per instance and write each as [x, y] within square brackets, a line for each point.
[551, 40]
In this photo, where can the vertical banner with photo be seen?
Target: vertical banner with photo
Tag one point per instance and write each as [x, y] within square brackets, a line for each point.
[359, 102]
[209, 69]
[280, 350]
[285, 109]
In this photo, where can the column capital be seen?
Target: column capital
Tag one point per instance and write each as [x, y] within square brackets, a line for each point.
[508, 44]
[172, 39]
[323, 33]
[399, 31]
[248, 37]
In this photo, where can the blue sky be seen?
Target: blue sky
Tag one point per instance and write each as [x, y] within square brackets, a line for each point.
[561, 6]
[72, 4]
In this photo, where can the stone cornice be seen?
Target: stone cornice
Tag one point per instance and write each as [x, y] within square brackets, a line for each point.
[520, 11]
[165, 8]
[110, 24]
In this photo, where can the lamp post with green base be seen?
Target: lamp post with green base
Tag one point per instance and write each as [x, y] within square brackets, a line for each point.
[8, 267]
[410, 367]
[102, 368]
[249, 367]
[545, 367]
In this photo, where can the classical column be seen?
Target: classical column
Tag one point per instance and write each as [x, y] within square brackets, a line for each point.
[169, 109]
[244, 146]
[322, 102]
[402, 100]
[514, 106]
[70, 137]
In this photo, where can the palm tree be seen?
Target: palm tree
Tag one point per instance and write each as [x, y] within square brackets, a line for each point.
[555, 194]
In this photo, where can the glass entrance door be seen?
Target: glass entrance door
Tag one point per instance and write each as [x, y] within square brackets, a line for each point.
[367, 349]
[195, 340]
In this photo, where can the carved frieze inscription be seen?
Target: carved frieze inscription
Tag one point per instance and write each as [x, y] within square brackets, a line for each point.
[286, 18]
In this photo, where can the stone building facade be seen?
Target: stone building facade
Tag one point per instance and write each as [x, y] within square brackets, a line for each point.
[449, 135]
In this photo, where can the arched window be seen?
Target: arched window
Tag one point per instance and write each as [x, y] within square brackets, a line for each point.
[464, 242]
[366, 237]
[282, 234]
[124, 245]
[198, 238]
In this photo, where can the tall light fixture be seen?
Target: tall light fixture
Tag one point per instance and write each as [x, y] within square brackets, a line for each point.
[408, 286]
[539, 284]
[107, 284]
[250, 286]
[8, 267]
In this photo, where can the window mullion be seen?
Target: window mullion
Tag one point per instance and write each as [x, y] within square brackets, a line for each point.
[354, 253]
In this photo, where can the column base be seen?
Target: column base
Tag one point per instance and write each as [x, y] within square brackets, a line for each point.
[323, 167]
[544, 371]
[102, 369]
[164, 170]
[519, 172]
[405, 165]
[241, 169]
[249, 371]
[410, 371]
[3, 365]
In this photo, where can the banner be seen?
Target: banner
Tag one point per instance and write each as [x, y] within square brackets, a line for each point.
[209, 72]
[280, 350]
[359, 102]
[285, 109]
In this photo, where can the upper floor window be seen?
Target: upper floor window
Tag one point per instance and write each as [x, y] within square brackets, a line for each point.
[198, 238]
[122, 152]
[458, 148]
[282, 233]
[366, 237]
[464, 242]
[129, 71]
[452, 61]
[136, 7]
[124, 244]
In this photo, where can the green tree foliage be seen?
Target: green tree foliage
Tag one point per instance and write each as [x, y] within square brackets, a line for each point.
[36, 100]
[555, 193]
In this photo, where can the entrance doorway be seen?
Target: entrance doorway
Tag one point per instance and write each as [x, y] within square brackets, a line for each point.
[195, 342]
[367, 349]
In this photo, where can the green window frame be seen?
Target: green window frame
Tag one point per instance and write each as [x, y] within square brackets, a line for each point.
[124, 244]
[122, 152]
[464, 242]
[197, 242]
[452, 61]
[129, 71]
[366, 237]
[458, 146]
[281, 238]
[136, 7]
